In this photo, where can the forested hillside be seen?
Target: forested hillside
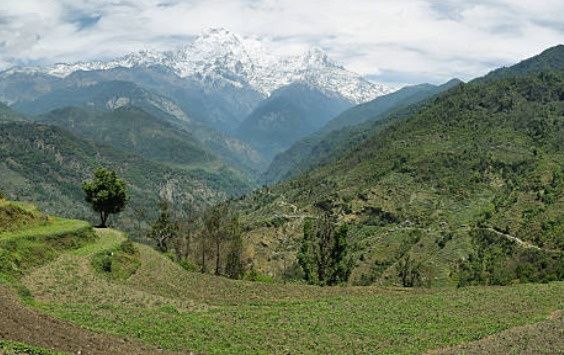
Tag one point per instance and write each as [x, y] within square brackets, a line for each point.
[45, 165]
[470, 186]
[135, 131]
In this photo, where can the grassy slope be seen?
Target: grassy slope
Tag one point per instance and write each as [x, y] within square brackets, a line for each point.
[544, 337]
[169, 307]
[36, 242]
[12, 348]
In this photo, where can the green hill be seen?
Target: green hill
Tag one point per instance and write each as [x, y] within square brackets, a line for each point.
[46, 164]
[135, 131]
[477, 174]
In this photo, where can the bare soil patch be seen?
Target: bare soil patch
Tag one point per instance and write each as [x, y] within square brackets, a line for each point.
[21, 324]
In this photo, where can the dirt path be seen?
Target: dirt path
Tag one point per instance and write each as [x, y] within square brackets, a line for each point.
[21, 324]
[520, 242]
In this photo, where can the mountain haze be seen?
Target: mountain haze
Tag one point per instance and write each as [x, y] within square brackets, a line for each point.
[289, 114]
[349, 129]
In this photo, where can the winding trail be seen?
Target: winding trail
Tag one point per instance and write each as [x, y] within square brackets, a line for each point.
[519, 241]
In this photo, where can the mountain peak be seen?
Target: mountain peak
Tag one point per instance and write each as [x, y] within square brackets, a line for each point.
[218, 33]
[317, 56]
[221, 57]
[216, 37]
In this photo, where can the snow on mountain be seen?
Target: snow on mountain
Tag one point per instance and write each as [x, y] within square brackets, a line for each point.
[220, 56]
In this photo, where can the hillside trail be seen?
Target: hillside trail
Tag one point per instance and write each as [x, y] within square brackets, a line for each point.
[517, 240]
[20, 323]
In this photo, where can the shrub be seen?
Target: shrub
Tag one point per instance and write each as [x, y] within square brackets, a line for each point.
[189, 265]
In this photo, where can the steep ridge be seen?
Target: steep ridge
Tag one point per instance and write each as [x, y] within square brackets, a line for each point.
[549, 60]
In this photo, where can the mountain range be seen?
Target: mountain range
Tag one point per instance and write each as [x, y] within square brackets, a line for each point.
[221, 58]
[462, 180]
[219, 82]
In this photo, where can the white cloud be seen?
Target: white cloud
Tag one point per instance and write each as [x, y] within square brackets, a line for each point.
[409, 39]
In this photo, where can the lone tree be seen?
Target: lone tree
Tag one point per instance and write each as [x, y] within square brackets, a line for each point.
[323, 254]
[106, 193]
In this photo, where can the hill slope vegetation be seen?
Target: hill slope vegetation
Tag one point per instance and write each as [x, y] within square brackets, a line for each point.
[46, 164]
[480, 166]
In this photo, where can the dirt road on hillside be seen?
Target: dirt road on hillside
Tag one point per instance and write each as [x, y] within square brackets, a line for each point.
[21, 324]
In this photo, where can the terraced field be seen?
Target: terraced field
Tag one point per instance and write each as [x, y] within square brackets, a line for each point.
[162, 306]
[36, 242]
[167, 307]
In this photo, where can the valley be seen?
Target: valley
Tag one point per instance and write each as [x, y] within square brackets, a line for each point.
[279, 203]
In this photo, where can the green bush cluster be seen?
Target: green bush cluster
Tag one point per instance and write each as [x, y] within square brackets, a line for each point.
[118, 263]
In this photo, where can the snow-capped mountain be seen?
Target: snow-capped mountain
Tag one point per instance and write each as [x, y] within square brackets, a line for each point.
[221, 57]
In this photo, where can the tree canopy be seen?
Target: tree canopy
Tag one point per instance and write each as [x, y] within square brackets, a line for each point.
[106, 194]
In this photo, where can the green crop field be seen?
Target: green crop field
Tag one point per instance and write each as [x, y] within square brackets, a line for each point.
[168, 307]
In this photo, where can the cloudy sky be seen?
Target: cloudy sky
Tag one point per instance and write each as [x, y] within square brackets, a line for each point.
[389, 41]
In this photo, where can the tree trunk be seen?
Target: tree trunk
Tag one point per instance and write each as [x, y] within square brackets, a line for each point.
[162, 244]
[217, 244]
[203, 256]
[103, 219]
